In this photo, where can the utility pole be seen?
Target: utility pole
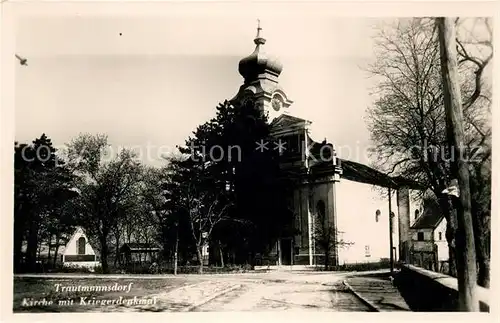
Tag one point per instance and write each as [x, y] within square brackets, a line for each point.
[464, 238]
[391, 254]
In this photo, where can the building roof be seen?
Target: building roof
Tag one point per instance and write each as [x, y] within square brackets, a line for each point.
[86, 236]
[431, 216]
[321, 160]
[364, 174]
[44, 246]
[428, 221]
[285, 121]
[360, 173]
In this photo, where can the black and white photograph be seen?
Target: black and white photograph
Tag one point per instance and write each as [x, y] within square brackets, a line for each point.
[260, 161]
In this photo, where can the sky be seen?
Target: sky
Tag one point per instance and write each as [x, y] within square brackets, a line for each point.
[148, 82]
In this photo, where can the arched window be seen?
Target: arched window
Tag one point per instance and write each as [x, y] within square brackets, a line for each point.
[417, 212]
[377, 215]
[81, 245]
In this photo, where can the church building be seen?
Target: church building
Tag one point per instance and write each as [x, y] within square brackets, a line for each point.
[333, 198]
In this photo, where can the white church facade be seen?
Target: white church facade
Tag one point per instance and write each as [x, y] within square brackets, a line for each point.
[329, 190]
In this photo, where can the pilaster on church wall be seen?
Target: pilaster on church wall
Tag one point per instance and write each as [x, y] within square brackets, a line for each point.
[301, 209]
[331, 201]
[304, 214]
[298, 214]
[322, 190]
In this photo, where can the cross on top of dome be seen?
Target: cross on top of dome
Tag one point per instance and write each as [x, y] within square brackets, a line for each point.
[258, 63]
[259, 40]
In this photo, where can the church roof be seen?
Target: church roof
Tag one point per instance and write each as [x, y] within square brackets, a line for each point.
[364, 174]
[357, 172]
[286, 120]
[321, 161]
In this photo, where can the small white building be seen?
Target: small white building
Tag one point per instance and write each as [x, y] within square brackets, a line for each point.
[429, 248]
[78, 252]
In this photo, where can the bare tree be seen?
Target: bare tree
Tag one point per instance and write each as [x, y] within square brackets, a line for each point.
[205, 212]
[192, 195]
[327, 240]
[407, 119]
[475, 52]
[326, 236]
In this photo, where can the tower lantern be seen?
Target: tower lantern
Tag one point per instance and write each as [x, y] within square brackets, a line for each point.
[260, 74]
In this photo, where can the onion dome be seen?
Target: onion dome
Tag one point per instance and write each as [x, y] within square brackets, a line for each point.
[258, 62]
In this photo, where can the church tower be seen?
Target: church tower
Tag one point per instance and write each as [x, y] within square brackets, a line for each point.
[260, 81]
[311, 168]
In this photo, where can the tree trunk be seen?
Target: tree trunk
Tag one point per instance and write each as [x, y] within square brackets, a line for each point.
[482, 231]
[451, 227]
[50, 247]
[221, 254]
[327, 256]
[484, 273]
[464, 238]
[200, 259]
[452, 262]
[18, 247]
[19, 230]
[483, 259]
[56, 251]
[32, 246]
[176, 252]
[117, 250]
[104, 255]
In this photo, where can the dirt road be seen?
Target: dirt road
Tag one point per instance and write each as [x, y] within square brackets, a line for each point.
[258, 291]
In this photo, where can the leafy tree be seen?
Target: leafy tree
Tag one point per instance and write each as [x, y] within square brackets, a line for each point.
[108, 188]
[224, 182]
[43, 189]
[175, 225]
[152, 201]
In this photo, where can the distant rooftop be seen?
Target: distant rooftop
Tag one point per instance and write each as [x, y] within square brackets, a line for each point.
[430, 219]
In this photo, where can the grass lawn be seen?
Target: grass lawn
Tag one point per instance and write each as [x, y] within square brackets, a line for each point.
[29, 290]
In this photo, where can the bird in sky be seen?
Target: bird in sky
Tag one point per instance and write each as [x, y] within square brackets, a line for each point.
[23, 61]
